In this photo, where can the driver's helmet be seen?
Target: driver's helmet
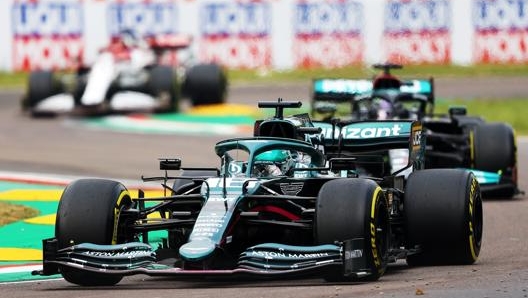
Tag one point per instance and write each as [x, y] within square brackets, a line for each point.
[129, 38]
[273, 156]
[273, 163]
[381, 109]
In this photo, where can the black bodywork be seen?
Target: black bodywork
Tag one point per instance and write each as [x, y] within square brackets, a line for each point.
[454, 139]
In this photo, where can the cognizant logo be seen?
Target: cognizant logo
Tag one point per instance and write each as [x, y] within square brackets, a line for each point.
[351, 132]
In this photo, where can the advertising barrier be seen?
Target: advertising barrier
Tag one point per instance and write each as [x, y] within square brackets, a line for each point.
[270, 34]
[328, 33]
[236, 34]
[46, 34]
[501, 31]
[417, 31]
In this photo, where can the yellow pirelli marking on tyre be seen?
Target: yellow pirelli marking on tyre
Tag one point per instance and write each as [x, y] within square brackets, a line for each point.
[472, 191]
[472, 148]
[116, 214]
[373, 246]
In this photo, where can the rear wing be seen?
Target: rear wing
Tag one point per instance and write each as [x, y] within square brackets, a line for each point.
[346, 89]
[331, 90]
[367, 136]
[167, 42]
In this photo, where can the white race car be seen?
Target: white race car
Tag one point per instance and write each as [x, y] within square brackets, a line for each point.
[127, 76]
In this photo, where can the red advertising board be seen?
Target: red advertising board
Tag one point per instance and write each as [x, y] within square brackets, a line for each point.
[47, 34]
[501, 31]
[417, 31]
[236, 34]
[328, 33]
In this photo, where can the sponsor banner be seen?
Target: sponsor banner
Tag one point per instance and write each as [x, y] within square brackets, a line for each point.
[418, 48]
[417, 31]
[285, 34]
[236, 34]
[328, 33]
[145, 18]
[501, 31]
[47, 34]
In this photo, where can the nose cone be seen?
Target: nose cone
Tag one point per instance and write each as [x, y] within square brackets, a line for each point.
[197, 250]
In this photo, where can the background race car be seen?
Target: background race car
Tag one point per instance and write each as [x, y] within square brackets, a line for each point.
[128, 76]
[276, 207]
[454, 139]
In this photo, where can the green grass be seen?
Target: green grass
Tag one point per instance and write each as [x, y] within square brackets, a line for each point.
[19, 79]
[13, 80]
[493, 110]
[365, 71]
[13, 212]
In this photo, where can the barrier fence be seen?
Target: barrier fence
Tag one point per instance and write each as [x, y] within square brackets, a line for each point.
[275, 34]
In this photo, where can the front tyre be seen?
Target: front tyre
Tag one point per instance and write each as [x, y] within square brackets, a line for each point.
[354, 208]
[205, 84]
[443, 217]
[88, 212]
[41, 85]
[494, 150]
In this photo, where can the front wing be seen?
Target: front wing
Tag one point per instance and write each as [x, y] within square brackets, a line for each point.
[269, 261]
[495, 183]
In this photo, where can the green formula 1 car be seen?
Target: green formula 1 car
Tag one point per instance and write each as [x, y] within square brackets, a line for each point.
[297, 199]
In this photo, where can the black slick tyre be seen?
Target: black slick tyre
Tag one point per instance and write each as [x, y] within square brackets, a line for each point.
[443, 217]
[354, 208]
[88, 212]
[493, 149]
[162, 85]
[205, 84]
[41, 85]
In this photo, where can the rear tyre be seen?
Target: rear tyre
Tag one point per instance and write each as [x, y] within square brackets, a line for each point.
[354, 208]
[205, 84]
[495, 151]
[88, 212]
[469, 121]
[443, 217]
[162, 85]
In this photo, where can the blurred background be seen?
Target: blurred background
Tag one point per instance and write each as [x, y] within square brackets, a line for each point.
[270, 34]
[278, 41]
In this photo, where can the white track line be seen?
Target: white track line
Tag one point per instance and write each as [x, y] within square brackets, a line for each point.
[19, 268]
